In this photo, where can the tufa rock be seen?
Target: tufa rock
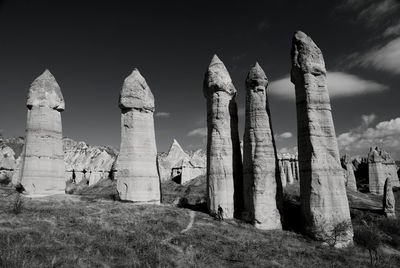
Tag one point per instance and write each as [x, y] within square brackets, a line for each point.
[224, 165]
[381, 166]
[389, 200]
[42, 168]
[260, 176]
[322, 186]
[136, 175]
[350, 178]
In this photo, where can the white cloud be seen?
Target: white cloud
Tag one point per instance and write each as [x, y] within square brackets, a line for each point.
[198, 132]
[163, 114]
[385, 134]
[371, 12]
[339, 85]
[285, 135]
[385, 58]
[393, 30]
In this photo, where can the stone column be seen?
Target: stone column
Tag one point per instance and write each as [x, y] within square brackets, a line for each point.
[389, 200]
[349, 173]
[42, 167]
[224, 165]
[322, 187]
[137, 176]
[260, 167]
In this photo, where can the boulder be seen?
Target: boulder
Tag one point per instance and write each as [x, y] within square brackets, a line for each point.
[260, 176]
[322, 186]
[136, 175]
[224, 165]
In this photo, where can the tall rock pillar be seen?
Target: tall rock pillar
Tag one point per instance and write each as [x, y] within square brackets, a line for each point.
[224, 164]
[322, 186]
[260, 172]
[137, 176]
[349, 172]
[42, 167]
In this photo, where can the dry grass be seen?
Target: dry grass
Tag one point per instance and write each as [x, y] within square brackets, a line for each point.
[67, 231]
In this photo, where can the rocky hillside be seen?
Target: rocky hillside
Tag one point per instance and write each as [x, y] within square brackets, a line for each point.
[84, 160]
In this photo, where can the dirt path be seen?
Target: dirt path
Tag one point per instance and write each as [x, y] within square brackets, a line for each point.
[190, 225]
[169, 240]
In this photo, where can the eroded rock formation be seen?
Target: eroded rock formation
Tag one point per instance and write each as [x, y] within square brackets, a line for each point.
[349, 172]
[381, 166]
[260, 176]
[179, 165]
[85, 161]
[7, 164]
[322, 186]
[288, 168]
[137, 176]
[224, 165]
[42, 165]
[388, 200]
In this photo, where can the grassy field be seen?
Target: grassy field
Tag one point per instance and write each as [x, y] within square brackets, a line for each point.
[72, 231]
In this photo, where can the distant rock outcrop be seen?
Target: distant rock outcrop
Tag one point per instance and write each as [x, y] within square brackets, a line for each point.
[181, 166]
[7, 164]
[90, 162]
[288, 168]
[261, 181]
[388, 200]
[137, 175]
[381, 166]
[323, 191]
[351, 183]
[42, 168]
[224, 165]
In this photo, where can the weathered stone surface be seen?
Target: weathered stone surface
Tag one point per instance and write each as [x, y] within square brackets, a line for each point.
[260, 176]
[179, 165]
[381, 166]
[81, 158]
[349, 172]
[323, 192]
[137, 176]
[42, 165]
[388, 200]
[166, 161]
[224, 165]
[7, 158]
[288, 168]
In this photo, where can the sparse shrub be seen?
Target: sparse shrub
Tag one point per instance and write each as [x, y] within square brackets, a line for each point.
[18, 204]
[339, 231]
[368, 238]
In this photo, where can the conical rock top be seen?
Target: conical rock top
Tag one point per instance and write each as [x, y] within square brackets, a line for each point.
[136, 94]
[256, 77]
[45, 92]
[306, 55]
[217, 78]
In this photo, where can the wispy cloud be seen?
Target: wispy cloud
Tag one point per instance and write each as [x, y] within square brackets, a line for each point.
[383, 58]
[198, 132]
[393, 30]
[163, 114]
[340, 85]
[372, 12]
[385, 134]
[285, 135]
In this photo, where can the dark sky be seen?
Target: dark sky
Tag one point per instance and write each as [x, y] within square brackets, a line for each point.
[91, 46]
